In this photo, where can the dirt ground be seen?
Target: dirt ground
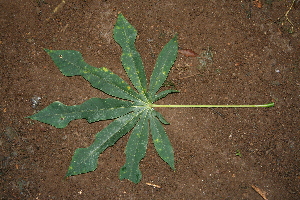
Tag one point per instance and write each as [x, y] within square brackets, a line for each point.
[247, 55]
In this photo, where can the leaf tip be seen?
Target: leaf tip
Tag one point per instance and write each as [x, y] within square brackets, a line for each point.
[175, 37]
[47, 50]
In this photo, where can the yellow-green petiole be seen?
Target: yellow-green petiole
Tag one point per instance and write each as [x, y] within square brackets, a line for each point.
[213, 106]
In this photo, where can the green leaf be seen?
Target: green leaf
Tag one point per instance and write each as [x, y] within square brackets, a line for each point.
[163, 94]
[85, 159]
[71, 63]
[95, 109]
[137, 113]
[163, 65]
[161, 141]
[125, 35]
[160, 117]
[136, 150]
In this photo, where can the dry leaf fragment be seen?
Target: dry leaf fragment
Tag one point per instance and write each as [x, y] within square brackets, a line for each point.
[260, 192]
[187, 52]
[153, 185]
[59, 7]
[257, 3]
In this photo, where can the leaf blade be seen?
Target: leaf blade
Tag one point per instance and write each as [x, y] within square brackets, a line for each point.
[135, 151]
[86, 159]
[163, 65]
[163, 94]
[125, 35]
[161, 141]
[160, 117]
[59, 115]
[71, 63]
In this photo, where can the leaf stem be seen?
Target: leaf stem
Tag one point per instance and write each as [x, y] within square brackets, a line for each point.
[213, 106]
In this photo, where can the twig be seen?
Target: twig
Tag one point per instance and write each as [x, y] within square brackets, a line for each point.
[260, 192]
[287, 18]
[153, 185]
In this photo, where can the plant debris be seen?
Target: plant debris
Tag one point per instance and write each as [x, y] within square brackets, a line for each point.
[188, 52]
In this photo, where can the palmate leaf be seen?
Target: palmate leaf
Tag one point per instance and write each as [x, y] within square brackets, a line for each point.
[132, 111]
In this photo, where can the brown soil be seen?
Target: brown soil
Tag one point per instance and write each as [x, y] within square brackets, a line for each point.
[220, 153]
